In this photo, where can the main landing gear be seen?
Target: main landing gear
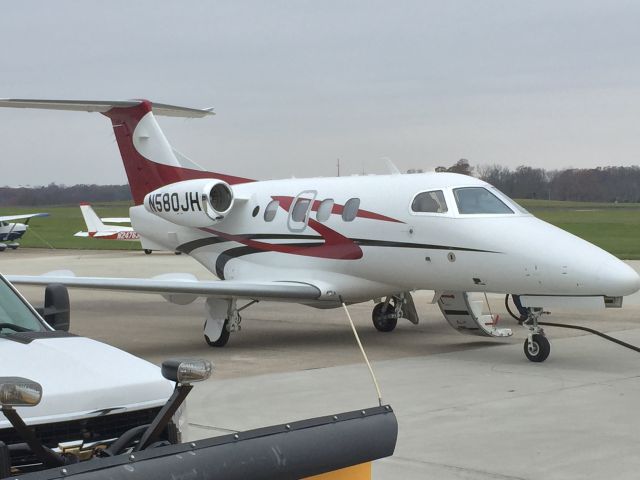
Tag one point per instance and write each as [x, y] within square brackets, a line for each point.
[385, 314]
[223, 318]
[223, 336]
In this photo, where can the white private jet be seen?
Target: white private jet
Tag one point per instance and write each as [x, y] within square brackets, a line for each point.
[98, 229]
[11, 231]
[325, 241]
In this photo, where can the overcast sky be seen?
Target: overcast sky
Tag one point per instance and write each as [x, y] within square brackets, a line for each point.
[298, 84]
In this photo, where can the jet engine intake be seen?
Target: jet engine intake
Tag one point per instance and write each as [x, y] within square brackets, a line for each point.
[191, 203]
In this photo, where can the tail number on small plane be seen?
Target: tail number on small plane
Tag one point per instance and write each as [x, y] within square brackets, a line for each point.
[128, 236]
[174, 202]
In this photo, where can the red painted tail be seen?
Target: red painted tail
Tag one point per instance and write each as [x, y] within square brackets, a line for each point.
[148, 158]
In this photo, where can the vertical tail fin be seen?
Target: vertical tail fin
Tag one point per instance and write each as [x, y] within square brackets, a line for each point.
[148, 158]
[94, 224]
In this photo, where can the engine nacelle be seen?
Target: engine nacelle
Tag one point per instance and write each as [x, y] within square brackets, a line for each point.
[191, 203]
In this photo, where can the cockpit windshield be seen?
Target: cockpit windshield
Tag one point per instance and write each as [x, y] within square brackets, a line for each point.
[15, 315]
[479, 200]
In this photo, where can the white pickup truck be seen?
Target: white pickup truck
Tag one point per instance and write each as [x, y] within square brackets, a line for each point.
[93, 392]
[75, 408]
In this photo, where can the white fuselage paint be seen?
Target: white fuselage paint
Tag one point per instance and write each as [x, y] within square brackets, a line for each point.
[11, 231]
[503, 253]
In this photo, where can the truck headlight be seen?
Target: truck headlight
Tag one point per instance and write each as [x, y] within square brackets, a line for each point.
[186, 371]
[19, 392]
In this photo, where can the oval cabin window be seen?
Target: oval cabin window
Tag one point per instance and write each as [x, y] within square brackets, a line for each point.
[350, 210]
[271, 210]
[324, 210]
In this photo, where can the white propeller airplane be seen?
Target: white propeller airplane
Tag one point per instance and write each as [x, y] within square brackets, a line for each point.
[96, 228]
[12, 231]
[325, 241]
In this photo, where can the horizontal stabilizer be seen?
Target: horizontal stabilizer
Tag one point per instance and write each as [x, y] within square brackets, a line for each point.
[116, 220]
[102, 106]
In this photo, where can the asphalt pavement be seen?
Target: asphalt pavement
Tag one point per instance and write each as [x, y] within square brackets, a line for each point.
[468, 407]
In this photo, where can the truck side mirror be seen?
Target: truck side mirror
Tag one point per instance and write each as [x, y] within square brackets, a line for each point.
[57, 311]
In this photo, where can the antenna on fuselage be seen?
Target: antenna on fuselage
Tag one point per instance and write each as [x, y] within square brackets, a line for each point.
[393, 170]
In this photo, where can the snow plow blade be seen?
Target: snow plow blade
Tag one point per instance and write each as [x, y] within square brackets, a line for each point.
[297, 450]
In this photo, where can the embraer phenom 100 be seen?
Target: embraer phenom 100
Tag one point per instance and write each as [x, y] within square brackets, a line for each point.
[325, 241]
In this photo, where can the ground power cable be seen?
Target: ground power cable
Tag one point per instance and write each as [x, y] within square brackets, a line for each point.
[364, 354]
[576, 327]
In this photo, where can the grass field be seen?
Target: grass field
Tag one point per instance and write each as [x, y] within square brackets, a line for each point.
[614, 227]
[56, 231]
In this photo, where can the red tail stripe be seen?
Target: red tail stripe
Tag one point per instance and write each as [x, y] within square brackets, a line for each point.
[145, 175]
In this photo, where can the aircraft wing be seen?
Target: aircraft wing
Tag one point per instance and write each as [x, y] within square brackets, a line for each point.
[10, 218]
[222, 288]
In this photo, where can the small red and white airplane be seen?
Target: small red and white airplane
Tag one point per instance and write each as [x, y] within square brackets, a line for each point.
[100, 228]
[96, 228]
[325, 241]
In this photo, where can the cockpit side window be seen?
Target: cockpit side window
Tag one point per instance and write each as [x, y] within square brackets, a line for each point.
[429, 202]
[479, 200]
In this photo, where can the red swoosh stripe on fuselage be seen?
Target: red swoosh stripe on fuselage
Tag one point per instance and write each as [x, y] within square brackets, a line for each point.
[335, 246]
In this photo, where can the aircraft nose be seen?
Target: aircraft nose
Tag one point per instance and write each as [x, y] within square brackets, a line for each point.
[618, 278]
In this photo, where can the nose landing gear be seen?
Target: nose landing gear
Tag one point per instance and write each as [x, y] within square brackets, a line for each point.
[536, 347]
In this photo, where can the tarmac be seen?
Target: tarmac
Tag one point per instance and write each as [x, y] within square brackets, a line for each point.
[467, 407]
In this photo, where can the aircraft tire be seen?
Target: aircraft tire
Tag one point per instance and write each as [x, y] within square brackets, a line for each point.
[147, 251]
[178, 253]
[540, 349]
[383, 324]
[222, 340]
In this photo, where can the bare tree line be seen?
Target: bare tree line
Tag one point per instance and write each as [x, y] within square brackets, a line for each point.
[54, 194]
[602, 184]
